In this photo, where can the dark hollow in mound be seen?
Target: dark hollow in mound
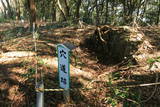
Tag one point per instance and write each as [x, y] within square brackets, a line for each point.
[112, 44]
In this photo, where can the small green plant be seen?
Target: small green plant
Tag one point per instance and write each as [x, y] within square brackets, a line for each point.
[115, 92]
[36, 35]
[30, 73]
[118, 94]
[134, 100]
[41, 61]
[151, 61]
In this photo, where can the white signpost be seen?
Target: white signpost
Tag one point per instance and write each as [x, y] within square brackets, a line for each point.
[64, 70]
[63, 66]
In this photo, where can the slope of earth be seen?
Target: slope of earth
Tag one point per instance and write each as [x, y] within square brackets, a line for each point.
[18, 66]
[146, 71]
[138, 49]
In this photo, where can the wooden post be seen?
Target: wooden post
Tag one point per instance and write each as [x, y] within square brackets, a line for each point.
[64, 68]
[66, 95]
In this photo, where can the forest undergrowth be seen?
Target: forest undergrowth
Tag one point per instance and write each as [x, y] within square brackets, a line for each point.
[89, 68]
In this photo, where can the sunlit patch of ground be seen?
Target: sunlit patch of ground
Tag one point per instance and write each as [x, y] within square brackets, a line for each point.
[18, 54]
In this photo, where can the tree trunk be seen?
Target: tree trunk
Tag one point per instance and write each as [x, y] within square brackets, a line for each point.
[10, 13]
[113, 12]
[158, 15]
[1, 10]
[53, 11]
[18, 11]
[66, 8]
[32, 11]
[5, 9]
[78, 5]
[61, 10]
[144, 8]
[129, 8]
[97, 12]
[62, 4]
[102, 21]
[124, 11]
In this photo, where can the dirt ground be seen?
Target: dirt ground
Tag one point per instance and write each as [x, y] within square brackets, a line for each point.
[18, 66]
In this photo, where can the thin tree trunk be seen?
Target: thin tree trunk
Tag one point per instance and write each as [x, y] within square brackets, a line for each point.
[18, 11]
[64, 8]
[32, 11]
[144, 8]
[9, 10]
[1, 10]
[78, 5]
[61, 9]
[87, 14]
[106, 13]
[102, 11]
[113, 12]
[124, 11]
[5, 9]
[97, 12]
[158, 15]
[53, 11]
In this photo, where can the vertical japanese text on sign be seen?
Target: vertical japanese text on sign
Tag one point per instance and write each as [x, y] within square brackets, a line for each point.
[63, 66]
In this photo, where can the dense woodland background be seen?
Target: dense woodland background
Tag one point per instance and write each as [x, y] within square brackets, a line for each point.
[114, 12]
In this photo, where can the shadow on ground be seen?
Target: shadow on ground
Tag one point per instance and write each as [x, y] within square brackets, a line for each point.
[146, 96]
[153, 33]
[17, 78]
[18, 88]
